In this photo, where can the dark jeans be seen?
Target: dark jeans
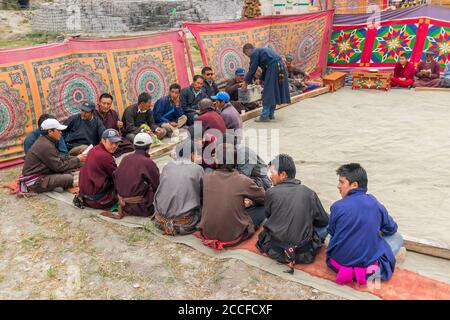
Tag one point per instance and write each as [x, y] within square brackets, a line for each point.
[257, 214]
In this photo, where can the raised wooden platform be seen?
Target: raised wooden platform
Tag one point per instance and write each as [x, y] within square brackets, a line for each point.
[427, 247]
[313, 93]
[165, 149]
[432, 89]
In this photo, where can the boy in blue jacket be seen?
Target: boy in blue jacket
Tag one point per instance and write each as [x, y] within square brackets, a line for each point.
[168, 112]
[364, 236]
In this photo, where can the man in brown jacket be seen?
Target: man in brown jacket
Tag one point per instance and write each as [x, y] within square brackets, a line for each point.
[229, 215]
[45, 169]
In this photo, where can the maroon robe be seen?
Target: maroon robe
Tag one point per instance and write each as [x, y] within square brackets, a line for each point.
[137, 175]
[96, 178]
[110, 122]
[425, 81]
[212, 120]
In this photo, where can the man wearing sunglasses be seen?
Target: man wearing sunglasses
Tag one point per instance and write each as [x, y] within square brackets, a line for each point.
[209, 85]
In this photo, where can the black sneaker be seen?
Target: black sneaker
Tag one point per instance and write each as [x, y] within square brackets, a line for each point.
[260, 119]
[272, 117]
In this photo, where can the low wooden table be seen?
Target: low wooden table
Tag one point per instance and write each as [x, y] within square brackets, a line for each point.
[335, 80]
[379, 80]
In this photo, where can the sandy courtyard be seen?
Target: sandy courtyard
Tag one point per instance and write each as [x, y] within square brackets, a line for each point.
[402, 139]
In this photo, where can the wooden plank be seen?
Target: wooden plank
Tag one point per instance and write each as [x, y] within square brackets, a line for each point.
[427, 247]
[310, 94]
[432, 89]
[313, 93]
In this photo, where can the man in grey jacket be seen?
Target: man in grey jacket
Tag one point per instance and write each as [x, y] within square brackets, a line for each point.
[178, 197]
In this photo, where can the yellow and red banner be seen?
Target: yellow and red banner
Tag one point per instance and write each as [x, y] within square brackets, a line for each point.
[58, 78]
[305, 36]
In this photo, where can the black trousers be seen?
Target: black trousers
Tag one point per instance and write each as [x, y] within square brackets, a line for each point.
[257, 214]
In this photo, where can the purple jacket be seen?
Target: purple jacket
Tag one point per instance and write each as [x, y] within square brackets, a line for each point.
[231, 117]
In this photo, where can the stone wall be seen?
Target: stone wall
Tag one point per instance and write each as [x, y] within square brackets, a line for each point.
[118, 16]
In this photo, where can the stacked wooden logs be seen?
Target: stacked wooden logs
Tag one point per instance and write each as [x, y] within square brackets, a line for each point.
[251, 9]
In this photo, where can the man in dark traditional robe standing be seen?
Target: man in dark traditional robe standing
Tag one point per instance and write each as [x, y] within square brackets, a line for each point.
[428, 72]
[136, 180]
[110, 120]
[274, 76]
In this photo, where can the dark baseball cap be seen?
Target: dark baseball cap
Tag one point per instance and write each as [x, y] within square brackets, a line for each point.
[88, 106]
[112, 135]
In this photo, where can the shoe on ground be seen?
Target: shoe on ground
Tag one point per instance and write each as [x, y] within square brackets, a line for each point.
[262, 119]
[272, 117]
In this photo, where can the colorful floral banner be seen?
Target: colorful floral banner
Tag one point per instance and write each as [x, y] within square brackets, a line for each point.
[58, 78]
[356, 46]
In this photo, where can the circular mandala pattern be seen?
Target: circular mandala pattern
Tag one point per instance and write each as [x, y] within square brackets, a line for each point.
[147, 74]
[74, 84]
[305, 48]
[5, 120]
[352, 4]
[14, 117]
[229, 62]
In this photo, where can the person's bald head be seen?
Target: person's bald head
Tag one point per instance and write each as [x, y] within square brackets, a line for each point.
[205, 105]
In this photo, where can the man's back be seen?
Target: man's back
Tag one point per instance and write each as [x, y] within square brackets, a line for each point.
[134, 173]
[212, 120]
[180, 188]
[293, 212]
[223, 213]
[231, 117]
[96, 174]
[355, 225]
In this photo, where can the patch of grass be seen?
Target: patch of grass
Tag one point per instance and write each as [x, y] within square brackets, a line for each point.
[29, 39]
[52, 272]
[34, 241]
[136, 236]
[9, 5]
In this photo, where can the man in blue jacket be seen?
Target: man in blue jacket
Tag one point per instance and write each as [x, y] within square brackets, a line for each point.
[363, 234]
[168, 112]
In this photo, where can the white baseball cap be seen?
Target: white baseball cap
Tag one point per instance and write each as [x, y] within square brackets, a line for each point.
[142, 139]
[51, 124]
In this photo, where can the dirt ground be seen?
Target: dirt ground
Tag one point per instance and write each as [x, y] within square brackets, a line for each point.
[50, 250]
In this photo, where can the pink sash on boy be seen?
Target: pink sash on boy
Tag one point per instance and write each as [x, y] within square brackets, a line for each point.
[346, 274]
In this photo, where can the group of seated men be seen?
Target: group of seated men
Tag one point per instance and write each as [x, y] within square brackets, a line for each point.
[226, 199]
[427, 73]
[193, 191]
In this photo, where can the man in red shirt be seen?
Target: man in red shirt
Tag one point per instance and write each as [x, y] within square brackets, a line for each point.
[210, 118]
[403, 73]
